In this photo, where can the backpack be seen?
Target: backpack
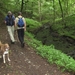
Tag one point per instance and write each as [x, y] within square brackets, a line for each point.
[20, 22]
[10, 20]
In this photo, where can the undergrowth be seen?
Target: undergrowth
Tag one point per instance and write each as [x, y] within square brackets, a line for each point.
[51, 54]
[68, 28]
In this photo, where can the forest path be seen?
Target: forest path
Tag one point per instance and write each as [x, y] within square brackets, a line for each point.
[25, 61]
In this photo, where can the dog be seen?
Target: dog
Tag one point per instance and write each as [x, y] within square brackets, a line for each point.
[4, 48]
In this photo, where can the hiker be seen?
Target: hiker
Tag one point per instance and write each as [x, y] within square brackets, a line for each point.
[10, 21]
[20, 24]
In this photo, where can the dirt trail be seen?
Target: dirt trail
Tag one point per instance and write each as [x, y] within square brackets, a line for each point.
[25, 61]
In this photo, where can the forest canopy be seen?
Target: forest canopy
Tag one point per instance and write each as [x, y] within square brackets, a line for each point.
[46, 11]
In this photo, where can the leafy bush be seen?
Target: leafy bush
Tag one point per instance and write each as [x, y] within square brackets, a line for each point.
[32, 24]
[51, 54]
[57, 57]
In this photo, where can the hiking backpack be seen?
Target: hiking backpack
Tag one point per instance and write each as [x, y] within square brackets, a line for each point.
[20, 22]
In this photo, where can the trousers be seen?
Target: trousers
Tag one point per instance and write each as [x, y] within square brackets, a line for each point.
[20, 33]
[11, 32]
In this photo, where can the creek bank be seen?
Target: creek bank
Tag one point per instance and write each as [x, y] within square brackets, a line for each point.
[63, 43]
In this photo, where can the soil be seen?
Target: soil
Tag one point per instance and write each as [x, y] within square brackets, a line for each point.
[25, 61]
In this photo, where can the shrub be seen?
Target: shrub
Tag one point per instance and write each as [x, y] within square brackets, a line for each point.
[32, 24]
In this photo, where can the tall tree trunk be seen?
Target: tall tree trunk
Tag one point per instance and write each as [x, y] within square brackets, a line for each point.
[62, 15]
[54, 10]
[32, 10]
[67, 7]
[39, 8]
[22, 5]
[61, 9]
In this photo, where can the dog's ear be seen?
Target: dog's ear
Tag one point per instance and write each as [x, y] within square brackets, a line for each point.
[7, 46]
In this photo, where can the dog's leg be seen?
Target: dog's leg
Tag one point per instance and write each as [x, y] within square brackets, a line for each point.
[8, 57]
[4, 58]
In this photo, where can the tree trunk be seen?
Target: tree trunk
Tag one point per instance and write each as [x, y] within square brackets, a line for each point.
[31, 13]
[61, 9]
[67, 7]
[39, 8]
[54, 10]
[62, 15]
[22, 5]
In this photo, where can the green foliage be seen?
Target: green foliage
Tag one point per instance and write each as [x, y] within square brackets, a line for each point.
[51, 54]
[68, 28]
[56, 56]
[42, 10]
[35, 43]
[32, 24]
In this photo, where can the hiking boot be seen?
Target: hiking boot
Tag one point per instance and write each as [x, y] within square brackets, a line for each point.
[12, 42]
[22, 45]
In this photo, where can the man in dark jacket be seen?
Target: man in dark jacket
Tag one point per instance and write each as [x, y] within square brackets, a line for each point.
[9, 21]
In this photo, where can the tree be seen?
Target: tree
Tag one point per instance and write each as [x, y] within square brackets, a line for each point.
[54, 9]
[22, 2]
[39, 9]
[61, 9]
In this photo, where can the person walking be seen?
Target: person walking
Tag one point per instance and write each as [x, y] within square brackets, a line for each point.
[20, 24]
[10, 22]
